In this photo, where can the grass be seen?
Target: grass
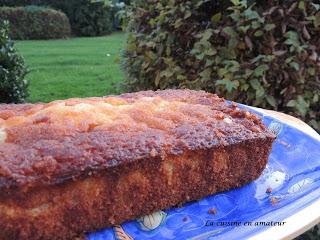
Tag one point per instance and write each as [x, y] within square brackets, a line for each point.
[79, 67]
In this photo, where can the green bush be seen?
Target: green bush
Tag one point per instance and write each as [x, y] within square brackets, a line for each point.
[33, 22]
[117, 12]
[15, 3]
[263, 54]
[87, 17]
[13, 86]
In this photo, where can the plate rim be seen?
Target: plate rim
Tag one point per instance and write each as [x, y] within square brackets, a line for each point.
[293, 226]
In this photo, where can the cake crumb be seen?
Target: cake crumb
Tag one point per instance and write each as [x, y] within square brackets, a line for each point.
[284, 143]
[153, 152]
[269, 190]
[212, 211]
[247, 114]
[220, 116]
[227, 120]
[273, 200]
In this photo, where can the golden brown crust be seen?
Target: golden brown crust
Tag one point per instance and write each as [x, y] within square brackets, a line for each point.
[74, 166]
[51, 143]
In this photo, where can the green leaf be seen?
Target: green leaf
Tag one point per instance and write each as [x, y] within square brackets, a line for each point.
[260, 93]
[171, 3]
[228, 84]
[232, 66]
[272, 101]
[209, 63]
[255, 24]
[233, 43]
[311, 71]
[316, 22]
[295, 66]
[132, 47]
[225, 52]
[269, 27]
[206, 35]
[150, 44]
[152, 22]
[258, 33]
[200, 56]
[245, 87]
[236, 84]
[150, 55]
[235, 2]
[301, 5]
[289, 59]
[244, 29]
[235, 16]
[187, 14]
[258, 101]
[161, 18]
[181, 77]
[168, 50]
[216, 18]
[311, 18]
[255, 84]
[157, 80]
[316, 6]
[292, 38]
[211, 52]
[205, 74]
[201, 2]
[291, 103]
[131, 37]
[229, 31]
[302, 105]
[257, 58]
[166, 73]
[292, 35]
[178, 23]
[251, 14]
[260, 70]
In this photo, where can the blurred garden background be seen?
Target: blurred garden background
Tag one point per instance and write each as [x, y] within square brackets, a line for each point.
[77, 67]
[260, 53]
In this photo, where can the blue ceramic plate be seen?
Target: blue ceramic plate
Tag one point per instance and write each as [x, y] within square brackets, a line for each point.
[293, 173]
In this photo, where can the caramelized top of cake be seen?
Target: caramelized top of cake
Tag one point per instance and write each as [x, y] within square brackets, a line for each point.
[66, 139]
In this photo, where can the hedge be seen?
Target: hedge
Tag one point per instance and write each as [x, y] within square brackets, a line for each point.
[87, 17]
[33, 22]
[13, 86]
[263, 53]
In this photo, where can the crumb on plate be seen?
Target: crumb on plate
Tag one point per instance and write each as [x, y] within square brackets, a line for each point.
[212, 211]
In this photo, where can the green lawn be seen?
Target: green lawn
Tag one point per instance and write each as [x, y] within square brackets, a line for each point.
[78, 67]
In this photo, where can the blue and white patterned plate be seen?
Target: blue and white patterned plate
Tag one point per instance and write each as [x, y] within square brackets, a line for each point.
[293, 173]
